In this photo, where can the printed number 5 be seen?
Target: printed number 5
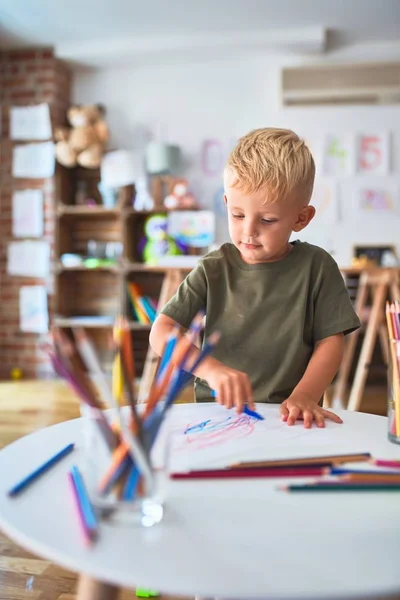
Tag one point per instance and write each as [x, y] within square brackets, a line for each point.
[371, 154]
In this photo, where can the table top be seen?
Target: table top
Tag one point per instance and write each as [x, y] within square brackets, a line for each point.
[233, 539]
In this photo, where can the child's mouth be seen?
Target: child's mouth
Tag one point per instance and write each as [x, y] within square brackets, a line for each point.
[251, 246]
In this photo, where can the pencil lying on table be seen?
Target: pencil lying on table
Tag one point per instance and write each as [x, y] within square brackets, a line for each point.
[19, 487]
[332, 460]
[337, 487]
[310, 471]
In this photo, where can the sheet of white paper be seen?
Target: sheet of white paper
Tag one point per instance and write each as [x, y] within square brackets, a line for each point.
[325, 201]
[27, 213]
[30, 122]
[33, 161]
[28, 258]
[209, 436]
[33, 312]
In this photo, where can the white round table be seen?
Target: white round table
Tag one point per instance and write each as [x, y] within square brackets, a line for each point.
[233, 539]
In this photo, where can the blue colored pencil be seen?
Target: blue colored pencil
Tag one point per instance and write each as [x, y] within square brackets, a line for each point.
[85, 506]
[246, 409]
[131, 484]
[16, 489]
[339, 471]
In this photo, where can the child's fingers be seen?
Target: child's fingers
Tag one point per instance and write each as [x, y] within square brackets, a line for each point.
[229, 394]
[283, 411]
[248, 393]
[294, 414]
[308, 417]
[319, 418]
[239, 396]
[332, 416]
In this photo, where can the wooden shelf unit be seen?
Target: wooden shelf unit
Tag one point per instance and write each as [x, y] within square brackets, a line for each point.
[93, 297]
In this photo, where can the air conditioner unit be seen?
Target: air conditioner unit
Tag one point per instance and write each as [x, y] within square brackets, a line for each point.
[377, 83]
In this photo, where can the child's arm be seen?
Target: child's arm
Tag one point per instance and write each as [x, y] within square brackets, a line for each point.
[323, 366]
[232, 387]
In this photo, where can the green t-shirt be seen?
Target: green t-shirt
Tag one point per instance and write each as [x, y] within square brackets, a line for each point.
[269, 315]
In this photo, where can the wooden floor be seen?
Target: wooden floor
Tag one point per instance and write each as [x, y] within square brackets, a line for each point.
[26, 407]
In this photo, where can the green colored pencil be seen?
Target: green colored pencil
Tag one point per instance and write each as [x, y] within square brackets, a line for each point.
[343, 487]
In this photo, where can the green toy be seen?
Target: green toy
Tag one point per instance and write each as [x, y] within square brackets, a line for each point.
[157, 243]
[142, 593]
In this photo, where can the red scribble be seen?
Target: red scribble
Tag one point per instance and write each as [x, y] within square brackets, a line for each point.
[218, 432]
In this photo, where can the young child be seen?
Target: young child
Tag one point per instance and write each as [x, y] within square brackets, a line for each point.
[281, 306]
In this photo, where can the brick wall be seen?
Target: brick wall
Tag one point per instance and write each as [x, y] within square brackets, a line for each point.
[26, 77]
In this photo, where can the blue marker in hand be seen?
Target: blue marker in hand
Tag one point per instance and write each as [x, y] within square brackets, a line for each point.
[246, 409]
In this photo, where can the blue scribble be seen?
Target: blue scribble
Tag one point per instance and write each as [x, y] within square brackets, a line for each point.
[197, 427]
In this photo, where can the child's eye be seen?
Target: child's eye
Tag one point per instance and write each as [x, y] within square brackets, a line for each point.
[237, 216]
[268, 221]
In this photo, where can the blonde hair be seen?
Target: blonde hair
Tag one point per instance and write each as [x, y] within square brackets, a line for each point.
[276, 160]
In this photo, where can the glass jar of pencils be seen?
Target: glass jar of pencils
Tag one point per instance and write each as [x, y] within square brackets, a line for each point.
[394, 391]
[125, 482]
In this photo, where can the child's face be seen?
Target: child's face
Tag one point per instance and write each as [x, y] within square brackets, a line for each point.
[260, 230]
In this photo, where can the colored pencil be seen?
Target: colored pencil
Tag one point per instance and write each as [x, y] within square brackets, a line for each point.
[392, 464]
[372, 478]
[88, 534]
[344, 471]
[246, 409]
[342, 487]
[320, 460]
[248, 473]
[88, 518]
[34, 475]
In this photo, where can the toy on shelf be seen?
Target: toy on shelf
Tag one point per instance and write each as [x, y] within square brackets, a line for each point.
[83, 143]
[157, 243]
[180, 197]
[143, 200]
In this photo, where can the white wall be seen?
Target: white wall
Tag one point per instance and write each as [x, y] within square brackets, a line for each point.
[223, 99]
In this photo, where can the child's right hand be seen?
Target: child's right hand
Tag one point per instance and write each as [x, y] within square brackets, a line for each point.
[232, 387]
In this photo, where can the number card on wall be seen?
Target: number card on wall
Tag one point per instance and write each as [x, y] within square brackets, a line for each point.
[382, 200]
[325, 202]
[373, 153]
[338, 154]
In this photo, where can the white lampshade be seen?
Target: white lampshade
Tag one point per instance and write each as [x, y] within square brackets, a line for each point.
[162, 158]
[121, 167]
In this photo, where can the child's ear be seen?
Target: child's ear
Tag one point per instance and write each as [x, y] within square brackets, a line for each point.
[304, 217]
[225, 199]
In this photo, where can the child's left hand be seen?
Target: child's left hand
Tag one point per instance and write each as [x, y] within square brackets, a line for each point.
[300, 407]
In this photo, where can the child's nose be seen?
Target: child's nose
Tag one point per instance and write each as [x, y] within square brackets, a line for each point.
[250, 228]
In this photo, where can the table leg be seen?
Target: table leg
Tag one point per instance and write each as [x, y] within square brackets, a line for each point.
[91, 589]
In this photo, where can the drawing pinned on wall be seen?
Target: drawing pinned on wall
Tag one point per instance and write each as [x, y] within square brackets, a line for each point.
[338, 155]
[195, 229]
[383, 200]
[30, 122]
[373, 153]
[27, 213]
[33, 312]
[212, 157]
[33, 161]
[325, 202]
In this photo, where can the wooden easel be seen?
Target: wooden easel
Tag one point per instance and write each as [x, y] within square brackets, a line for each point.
[172, 279]
[382, 284]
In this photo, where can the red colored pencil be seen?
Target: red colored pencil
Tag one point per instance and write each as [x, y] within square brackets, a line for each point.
[247, 473]
[392, 464]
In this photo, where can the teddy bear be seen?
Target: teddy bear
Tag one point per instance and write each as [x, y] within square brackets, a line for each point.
[180, 197]
[84, 142]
